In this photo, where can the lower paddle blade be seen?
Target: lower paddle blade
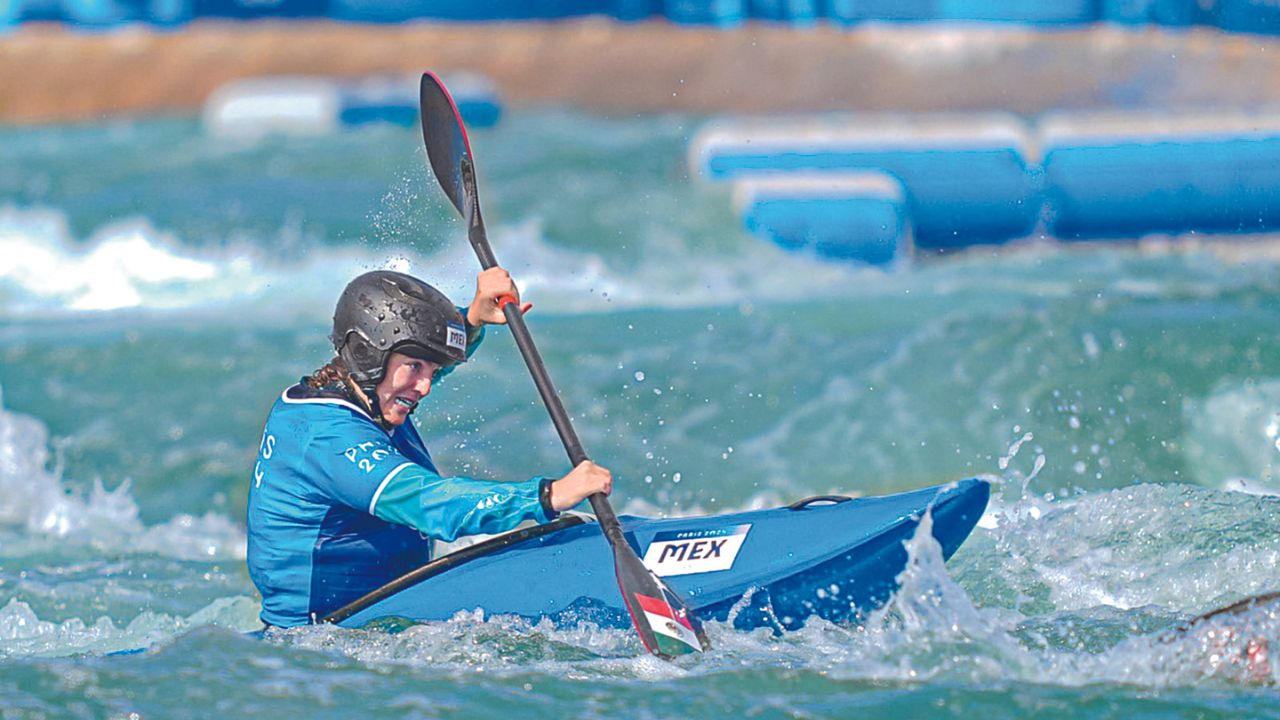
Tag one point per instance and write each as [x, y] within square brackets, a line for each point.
[665, 625]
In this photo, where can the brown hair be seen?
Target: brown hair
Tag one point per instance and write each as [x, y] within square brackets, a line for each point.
[333, 373]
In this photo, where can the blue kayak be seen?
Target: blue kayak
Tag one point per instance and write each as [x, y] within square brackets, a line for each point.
[829, 556]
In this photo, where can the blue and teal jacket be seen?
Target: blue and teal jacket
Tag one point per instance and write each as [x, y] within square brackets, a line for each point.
[339, 506]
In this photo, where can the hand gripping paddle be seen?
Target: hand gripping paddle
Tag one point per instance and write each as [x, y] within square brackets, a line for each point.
[665, 625]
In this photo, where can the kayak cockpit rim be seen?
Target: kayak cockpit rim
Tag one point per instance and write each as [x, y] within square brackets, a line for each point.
[452, 560]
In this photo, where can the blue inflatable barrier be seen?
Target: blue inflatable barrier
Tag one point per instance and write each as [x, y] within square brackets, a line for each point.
[1111, 176]
[720, 13]
[1014, 11]
[1249, 16]
[860, 217]
[966, 179]
[475, 96]
[1173, 13]
[316, 105]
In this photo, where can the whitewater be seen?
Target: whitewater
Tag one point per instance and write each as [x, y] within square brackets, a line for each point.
[159, 287]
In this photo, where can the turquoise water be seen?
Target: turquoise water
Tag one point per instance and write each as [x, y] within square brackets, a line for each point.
[158, 288]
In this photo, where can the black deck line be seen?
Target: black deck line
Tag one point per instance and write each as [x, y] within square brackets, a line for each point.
[446, 562]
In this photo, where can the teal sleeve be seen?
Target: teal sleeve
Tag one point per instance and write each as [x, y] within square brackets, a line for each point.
[445, 508]
[475, 336]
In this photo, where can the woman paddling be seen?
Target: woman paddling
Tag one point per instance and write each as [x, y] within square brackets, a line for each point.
[344, 496]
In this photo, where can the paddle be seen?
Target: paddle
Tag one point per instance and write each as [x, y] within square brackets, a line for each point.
[665, 625]
[1235, 608]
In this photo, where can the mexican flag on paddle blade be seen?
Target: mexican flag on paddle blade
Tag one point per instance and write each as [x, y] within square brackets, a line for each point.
[674, 633]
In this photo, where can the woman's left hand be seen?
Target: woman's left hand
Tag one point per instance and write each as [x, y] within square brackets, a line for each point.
[491, 286]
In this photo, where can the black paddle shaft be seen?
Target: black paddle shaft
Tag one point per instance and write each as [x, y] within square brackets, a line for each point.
[655, 610]
[533, 359]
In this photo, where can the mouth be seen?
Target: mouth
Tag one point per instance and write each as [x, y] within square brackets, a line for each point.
[406, 403]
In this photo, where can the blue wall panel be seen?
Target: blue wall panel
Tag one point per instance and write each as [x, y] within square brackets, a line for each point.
[631, 10]
[719, 13]
[855, 11]
[1251, 16]
[467, 10]
[1130, 182]
[1173, 13]
[97, 13]
[800, 13]
[1019, 11]
[38, 10]
[1028, 11]
[169, 12]
[261, 8]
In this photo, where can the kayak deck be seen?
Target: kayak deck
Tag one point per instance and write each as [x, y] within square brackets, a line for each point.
[836, 561]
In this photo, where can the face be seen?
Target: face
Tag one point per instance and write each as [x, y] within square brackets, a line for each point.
[406, 381]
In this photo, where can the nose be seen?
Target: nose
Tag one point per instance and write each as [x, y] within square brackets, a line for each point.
[423, 385]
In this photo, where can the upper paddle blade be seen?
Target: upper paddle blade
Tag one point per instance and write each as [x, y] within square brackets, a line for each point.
[447, 147]
[665, 625]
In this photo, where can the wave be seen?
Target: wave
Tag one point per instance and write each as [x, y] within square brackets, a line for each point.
[40, 512]
[130, 265]
[23, 633]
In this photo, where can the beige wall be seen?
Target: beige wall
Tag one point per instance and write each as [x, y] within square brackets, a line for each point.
[49, 73]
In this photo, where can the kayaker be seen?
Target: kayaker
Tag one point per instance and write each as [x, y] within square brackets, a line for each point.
[344, 495]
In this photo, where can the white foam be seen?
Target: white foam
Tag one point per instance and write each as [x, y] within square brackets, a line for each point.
[124, 265]
[23, 633]
[1233, 436]
[37, 500]
[130, 265]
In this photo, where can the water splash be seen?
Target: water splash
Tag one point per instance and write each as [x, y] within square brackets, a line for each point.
[1233, 436]
[1180, 547]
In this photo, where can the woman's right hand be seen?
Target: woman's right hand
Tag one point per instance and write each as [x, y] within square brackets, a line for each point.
[492, 286]
[586, 479]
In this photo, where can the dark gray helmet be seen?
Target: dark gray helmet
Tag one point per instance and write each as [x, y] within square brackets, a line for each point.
[382, 312]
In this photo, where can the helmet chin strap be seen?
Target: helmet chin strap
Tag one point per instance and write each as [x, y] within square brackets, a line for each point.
[367, 394]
